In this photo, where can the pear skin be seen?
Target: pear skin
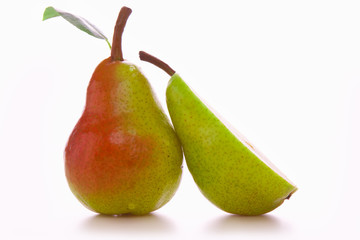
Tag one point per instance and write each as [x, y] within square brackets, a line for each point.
[229, 171]
[123, 155]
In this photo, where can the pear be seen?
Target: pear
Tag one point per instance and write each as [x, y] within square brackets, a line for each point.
[123, 156]
[228, 170]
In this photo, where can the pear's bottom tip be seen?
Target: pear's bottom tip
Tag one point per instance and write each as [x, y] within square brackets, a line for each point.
[292, 192]
[119, 215]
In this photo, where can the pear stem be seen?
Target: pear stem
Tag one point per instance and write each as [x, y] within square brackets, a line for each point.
[116, 50]
[144, 56]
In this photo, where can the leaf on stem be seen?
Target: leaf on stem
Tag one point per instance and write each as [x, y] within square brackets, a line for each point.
[79, 22]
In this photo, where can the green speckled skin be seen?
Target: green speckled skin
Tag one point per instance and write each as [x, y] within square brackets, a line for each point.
[225, 170]
[123, 155]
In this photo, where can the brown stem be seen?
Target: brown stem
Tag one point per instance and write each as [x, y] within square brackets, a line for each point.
[157, 62]
[116, 51]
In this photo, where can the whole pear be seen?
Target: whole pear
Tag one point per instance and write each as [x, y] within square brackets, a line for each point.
[229, 171]
[123, 155]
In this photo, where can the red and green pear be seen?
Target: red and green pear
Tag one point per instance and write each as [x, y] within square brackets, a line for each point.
[123, 156]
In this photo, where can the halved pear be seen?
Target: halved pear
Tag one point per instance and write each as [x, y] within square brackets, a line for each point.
[228, 170]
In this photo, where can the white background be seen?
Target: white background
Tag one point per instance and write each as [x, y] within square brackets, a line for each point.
[285, 73]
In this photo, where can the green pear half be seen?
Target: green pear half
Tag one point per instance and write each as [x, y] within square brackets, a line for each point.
[228, 170]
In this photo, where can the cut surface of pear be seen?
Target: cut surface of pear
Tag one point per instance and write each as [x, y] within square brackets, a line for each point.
[228, 170]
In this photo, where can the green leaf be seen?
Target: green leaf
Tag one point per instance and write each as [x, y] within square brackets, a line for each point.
[50, 12]
[79, 22]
